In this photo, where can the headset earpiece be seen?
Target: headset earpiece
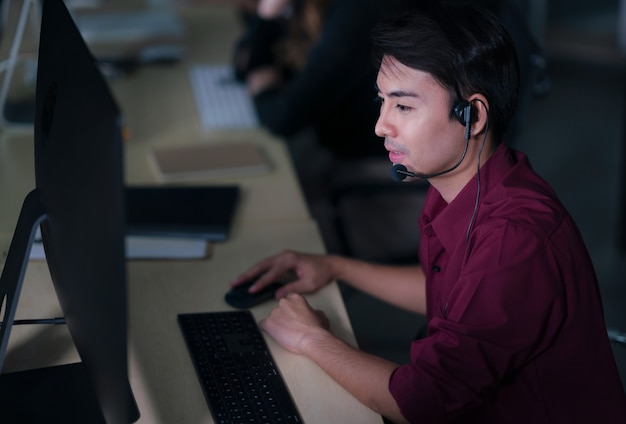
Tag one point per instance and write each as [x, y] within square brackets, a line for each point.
[463, 112]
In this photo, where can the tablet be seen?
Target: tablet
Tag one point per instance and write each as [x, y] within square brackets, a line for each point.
[204, 212]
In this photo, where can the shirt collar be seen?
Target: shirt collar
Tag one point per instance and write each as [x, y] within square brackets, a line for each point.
[450, 221]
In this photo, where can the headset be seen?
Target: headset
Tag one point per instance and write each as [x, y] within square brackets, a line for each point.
[462, 110]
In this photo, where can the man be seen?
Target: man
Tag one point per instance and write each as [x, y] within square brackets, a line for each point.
[516, 331]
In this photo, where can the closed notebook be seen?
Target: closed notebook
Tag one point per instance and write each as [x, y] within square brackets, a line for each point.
[197, 161]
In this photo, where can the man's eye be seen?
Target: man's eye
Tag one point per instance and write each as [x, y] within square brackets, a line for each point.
[403, 108]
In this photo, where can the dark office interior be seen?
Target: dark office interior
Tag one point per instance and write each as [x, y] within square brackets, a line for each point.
[571, 125]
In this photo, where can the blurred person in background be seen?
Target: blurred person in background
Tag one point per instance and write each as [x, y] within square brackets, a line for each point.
[307, 66]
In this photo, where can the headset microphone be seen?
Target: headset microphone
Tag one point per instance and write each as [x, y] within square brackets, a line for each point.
[399, 173]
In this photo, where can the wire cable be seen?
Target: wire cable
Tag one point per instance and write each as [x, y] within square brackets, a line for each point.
[480, 151]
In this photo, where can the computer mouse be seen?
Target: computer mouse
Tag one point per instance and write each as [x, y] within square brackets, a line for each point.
[239, 297]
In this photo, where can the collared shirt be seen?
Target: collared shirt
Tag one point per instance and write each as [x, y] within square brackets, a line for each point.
[516, 331]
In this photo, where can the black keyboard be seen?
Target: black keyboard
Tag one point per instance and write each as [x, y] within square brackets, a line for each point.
[240, 380]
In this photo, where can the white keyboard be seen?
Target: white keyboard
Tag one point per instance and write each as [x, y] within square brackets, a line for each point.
[221, 100]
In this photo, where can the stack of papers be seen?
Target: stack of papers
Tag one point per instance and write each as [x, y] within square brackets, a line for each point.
[148, 247]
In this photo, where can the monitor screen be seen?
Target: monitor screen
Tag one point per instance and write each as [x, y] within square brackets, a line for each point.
[79, 200]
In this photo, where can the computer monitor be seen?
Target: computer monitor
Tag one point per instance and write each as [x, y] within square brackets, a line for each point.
[79, 203]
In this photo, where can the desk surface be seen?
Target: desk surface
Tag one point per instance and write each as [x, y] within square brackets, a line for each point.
[161, 373]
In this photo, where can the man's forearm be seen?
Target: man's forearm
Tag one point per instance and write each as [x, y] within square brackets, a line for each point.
[364, 375]
[404, 287]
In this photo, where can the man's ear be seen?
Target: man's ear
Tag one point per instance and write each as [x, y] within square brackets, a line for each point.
[480, 114]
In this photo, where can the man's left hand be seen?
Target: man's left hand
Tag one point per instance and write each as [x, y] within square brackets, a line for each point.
[293, 322]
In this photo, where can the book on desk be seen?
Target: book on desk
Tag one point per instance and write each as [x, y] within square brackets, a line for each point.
[200, 161]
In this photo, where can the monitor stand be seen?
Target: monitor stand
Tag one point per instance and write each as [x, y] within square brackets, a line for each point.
[31, 215]
[59, 394]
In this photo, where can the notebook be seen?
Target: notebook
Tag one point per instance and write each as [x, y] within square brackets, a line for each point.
[199, 161]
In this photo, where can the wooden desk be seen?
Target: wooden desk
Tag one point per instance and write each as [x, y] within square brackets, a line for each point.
[160, 110]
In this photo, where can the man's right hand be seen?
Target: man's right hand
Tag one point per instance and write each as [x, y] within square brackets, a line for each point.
[312, 272]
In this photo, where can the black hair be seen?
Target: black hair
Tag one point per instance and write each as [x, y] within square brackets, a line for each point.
[463, 46]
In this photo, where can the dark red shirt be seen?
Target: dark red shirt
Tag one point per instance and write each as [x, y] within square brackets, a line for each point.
[516, 329]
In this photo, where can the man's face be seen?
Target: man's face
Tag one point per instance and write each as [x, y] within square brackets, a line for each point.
[415, 119]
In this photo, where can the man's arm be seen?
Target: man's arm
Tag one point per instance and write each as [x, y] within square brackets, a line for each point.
[402, 286]
[300, 329]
